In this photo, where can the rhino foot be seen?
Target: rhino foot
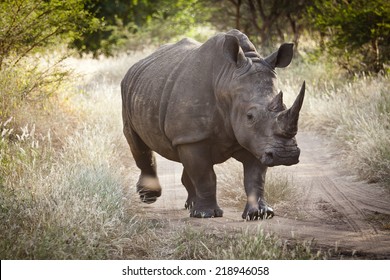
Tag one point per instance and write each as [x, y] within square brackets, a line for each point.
[206, 213]
[149, 189]
[257, 213]
[190, 203]
[149, 197]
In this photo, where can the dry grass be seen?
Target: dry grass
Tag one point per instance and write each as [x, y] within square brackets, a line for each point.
[279, 187]
[353, 112]
[200, 244]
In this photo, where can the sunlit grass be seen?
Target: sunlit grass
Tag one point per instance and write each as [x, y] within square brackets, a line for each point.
[71, 200]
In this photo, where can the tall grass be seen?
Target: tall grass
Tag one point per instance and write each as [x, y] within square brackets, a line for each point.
[70, 200]
[354, 112]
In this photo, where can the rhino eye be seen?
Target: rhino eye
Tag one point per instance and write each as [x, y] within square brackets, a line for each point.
[249, 116]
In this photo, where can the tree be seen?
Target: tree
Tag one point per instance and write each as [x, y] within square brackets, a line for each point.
[123, 20]
[27, 29]
[118, 18]
[265, 22]
[358, 31]
[28, 26]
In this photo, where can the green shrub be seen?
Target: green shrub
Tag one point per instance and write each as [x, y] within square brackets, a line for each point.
[31, 26]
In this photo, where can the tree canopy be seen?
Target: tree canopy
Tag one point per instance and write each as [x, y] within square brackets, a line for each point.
[356, 30]
[30, 25]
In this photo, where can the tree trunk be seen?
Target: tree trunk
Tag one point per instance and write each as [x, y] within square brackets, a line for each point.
[375, 47]
[296, 31]
[238, 6]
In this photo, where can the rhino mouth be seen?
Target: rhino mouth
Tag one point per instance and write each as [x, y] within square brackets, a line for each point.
[272, 158]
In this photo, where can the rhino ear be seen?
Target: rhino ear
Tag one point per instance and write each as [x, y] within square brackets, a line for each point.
[282, 57]
[232, 51]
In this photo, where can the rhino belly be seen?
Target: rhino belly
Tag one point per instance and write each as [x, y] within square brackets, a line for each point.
[145, 121]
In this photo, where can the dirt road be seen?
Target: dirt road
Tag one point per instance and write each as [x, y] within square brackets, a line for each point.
[334, 209]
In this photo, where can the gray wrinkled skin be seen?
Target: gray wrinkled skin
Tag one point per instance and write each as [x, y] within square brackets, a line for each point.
[201, 104]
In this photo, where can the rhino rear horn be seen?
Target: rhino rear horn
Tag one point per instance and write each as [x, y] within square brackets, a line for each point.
[288, 119]
[282, 57]
[276, 105]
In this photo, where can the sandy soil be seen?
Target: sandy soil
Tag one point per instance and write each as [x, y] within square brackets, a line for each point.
[332, 207]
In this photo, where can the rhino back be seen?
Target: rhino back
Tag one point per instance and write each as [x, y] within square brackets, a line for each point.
[164, 97]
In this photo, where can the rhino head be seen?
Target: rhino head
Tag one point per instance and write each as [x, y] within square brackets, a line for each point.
[260, 121]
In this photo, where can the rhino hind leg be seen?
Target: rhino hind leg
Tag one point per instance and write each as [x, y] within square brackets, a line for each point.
[148, 188]
[199, 174]
[148, 185]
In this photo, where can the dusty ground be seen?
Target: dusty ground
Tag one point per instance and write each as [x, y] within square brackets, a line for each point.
[334, 209]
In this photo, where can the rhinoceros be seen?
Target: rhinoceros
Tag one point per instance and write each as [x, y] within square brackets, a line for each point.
[201, 104]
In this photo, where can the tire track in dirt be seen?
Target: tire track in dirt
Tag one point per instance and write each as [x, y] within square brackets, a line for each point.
[352, 214]
[333, 208]
[330, 193]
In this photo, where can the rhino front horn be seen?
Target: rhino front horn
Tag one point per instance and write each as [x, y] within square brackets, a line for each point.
[288, 119]
[296, 107]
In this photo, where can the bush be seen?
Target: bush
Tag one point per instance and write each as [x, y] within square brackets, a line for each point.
[31, 82]
[28, 26]
[358, 32]
[29, 30]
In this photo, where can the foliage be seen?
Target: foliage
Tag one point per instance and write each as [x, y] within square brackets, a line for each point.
[32, 81]
[118, 18]
[133, 23]
[176, 18]
[28, 29]
[265, 22]
[358, 31]
[29, 26]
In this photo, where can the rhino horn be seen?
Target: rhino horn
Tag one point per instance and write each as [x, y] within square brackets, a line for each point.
[296, 107]
[276, 105]
[288, 119]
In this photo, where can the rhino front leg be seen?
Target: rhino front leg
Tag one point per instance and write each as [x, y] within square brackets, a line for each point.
[254, 178]
[186, 181]
[199, 169]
